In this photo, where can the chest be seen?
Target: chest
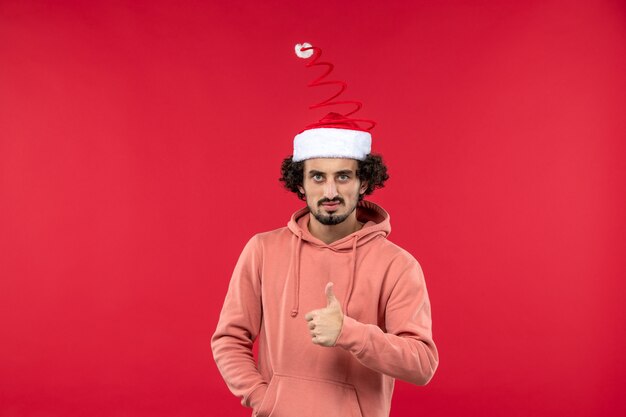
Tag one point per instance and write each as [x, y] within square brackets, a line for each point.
[300, 277]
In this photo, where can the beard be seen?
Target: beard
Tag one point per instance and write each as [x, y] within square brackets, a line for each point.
[330, 219]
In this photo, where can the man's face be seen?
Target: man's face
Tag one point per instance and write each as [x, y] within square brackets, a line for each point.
[331, 188]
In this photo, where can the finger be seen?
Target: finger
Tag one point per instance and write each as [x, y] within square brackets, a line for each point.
[311, 325]
[312, 314]
[330, 295]
[320, 340]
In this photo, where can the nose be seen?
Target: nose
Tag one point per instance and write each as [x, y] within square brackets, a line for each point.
[330, 190]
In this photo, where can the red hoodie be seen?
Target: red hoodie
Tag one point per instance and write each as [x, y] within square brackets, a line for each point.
[386, 333]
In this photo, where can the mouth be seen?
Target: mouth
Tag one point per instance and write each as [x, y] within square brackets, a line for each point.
[331, 206]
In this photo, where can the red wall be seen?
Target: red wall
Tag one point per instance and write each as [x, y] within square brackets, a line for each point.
[140, 147]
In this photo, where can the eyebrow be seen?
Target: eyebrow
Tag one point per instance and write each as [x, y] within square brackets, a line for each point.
[341, 172]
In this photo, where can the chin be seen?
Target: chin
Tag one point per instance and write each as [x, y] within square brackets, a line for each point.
[330, 220]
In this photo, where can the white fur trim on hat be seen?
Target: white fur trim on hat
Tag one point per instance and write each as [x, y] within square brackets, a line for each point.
[330, 142]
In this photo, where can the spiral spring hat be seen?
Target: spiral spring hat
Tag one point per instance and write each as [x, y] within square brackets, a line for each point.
[336, 135]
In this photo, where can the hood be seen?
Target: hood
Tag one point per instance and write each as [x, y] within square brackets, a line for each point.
[375, 223]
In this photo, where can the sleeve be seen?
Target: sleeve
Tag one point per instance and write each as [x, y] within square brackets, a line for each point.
[238, 327]
[406, 350]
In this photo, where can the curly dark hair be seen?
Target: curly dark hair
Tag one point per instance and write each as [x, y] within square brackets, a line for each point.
[372, 169]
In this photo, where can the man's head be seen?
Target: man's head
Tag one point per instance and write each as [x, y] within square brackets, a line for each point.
[332, 160]
[344, 181]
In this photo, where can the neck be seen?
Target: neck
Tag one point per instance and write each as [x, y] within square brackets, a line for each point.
[329, 234]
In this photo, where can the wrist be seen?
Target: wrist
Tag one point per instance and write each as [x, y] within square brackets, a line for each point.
[255, 398]
[352, 335]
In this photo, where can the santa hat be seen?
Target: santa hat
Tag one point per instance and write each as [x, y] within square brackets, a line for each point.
[336, 135]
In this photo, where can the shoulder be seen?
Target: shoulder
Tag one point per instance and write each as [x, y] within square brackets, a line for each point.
[270, 238]
[402, 266]
[260, 245]
[397, 254]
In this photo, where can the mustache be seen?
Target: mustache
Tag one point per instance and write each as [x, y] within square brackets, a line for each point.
[327, 200]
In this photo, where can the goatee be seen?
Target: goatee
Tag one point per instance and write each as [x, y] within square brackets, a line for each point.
[330, 219]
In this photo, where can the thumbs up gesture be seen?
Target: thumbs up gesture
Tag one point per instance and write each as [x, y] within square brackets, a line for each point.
[325, 324]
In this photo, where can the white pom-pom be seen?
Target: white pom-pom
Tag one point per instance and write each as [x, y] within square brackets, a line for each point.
[304, 54]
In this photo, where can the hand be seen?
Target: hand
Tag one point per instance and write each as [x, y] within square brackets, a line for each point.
[325, 324]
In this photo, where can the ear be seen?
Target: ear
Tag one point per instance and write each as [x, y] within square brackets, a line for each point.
[363, 188]
[301, 189]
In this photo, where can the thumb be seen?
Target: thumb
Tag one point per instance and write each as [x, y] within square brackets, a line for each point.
[330, 296]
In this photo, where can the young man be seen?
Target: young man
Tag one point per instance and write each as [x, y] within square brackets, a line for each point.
[338, 310]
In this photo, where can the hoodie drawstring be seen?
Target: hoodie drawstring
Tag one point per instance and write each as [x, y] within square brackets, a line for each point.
[352, 274]
[296, 291]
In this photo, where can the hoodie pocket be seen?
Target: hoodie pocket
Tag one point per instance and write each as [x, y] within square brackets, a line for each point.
[289, 396]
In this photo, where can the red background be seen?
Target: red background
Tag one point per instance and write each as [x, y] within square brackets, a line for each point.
[140, 146]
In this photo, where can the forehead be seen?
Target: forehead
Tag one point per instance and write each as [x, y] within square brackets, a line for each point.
[330, 164]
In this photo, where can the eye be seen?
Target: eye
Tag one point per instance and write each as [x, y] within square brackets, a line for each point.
[317, 177]
[344, 177]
